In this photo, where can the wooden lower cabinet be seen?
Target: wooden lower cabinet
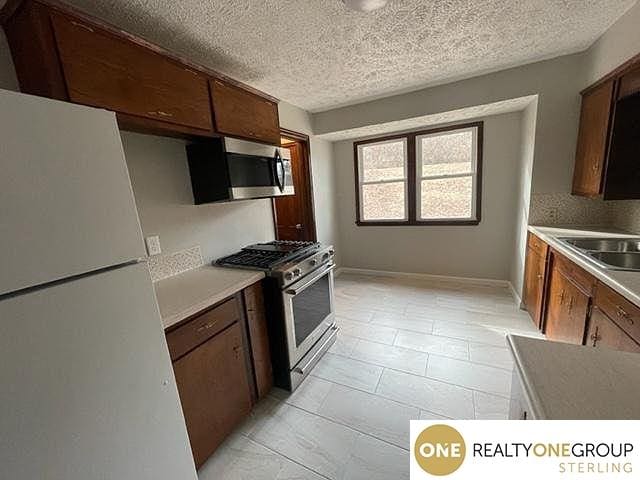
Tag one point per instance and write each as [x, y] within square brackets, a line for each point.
[567, 309]
[534, 279]
[214, 390]
[258, 339]
[604, 333]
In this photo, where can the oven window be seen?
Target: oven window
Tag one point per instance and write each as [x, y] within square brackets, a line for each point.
[311, 307]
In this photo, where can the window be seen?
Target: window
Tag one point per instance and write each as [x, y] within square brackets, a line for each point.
[420, 178]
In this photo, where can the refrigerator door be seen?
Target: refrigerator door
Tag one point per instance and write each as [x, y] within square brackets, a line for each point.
[66, 203]
[87, 389]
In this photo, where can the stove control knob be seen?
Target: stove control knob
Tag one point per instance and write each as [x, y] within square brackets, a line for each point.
[331, 253]
[297, 272]
[288, 276]
[313, 262]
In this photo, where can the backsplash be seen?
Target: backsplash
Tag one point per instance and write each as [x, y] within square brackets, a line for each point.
[567, 209]
[165, 266]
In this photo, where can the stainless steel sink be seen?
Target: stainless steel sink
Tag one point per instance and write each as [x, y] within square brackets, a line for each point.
[618, 260]
[605, 244]
[609, 253]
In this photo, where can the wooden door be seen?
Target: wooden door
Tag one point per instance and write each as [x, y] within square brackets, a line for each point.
[105, 71]
[294, 216]
[214, 390]
[534, 281]
[240, 113]
[567, 310]
[604, 333]
[593, 137]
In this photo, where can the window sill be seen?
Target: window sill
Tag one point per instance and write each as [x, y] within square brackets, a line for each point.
[405, 223]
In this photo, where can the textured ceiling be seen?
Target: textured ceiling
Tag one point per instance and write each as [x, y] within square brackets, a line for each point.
[424, 121]
[317, 54]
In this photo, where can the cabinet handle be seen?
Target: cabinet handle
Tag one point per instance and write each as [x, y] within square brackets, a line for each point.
[595, 167]
[206, 326]
[539, 276]
[570, 304]
[81, 25]
[595, 337]
[622, 314]
[562, 297]
[161, 113]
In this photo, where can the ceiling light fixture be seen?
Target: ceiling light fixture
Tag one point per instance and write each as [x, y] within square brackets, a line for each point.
[365, 5]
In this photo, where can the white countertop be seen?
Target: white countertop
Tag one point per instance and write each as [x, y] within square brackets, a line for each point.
[190, 292]
[565, 381]
[626, 284]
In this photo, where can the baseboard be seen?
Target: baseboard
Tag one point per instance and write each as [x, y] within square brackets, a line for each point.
[514, 294]
[338, 271]
[426, 276]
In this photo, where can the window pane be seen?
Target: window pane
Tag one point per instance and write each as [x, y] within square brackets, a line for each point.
[383, 201]
[446, 198]
[383, 162]
[447, 153]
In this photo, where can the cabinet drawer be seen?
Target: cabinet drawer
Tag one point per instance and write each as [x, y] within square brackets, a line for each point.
[584, 280]
[537, 245]
[619, 309]
[105, 71]
[629, 83]
[188, 336]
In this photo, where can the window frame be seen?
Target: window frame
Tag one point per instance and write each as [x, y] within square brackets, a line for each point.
[412, 201]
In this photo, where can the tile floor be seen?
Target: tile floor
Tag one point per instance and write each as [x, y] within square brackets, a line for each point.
[407, 349]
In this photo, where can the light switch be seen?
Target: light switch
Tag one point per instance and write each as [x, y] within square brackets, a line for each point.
[153, 245]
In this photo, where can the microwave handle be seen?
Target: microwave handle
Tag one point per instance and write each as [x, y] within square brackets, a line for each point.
[277, 159]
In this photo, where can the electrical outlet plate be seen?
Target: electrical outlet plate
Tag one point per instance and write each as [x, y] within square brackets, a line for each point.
[153, 245]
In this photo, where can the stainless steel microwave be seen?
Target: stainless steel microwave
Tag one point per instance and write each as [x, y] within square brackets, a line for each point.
[226, 169]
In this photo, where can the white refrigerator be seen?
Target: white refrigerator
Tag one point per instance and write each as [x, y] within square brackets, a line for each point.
[86, 385]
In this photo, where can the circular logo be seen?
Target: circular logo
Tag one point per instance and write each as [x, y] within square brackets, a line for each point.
[439, 450]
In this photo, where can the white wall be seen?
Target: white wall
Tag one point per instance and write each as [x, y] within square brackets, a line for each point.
[557, 82]
[160, 177]
[162, 188]
[482, 251]
[523, 195]
[614, 47]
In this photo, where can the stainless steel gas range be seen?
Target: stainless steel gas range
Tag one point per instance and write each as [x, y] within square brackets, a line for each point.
[299, 303]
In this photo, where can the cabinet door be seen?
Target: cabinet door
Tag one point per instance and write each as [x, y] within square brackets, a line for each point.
[534, 273]
[259, 338]
[243, 114]
[214, 390]
[604, 333]
[567, 309]
[592, 140]
[105, 71]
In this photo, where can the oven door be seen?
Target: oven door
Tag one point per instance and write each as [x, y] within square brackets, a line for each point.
[308, 311]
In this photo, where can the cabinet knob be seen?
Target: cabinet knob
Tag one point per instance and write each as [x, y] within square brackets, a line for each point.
[624, 315]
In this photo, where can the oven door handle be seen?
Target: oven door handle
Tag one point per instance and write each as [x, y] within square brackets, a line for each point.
[312, 361]
[301, 288]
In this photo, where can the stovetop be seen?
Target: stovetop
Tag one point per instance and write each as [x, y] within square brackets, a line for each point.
[267, 256]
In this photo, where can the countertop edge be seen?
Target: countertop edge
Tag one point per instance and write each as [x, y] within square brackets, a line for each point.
[592, 268]
[173, 319]
[532, 397]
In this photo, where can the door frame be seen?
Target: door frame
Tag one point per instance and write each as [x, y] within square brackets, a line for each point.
[304, 142]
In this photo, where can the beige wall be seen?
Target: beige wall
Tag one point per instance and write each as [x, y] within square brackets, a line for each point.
[482, 251]
[160, 177]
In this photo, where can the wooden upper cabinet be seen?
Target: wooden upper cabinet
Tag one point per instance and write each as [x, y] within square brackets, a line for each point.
[593, 134]
[629, 83]
[109, 72]
[534, 278]
[240, 113]
[604, 333]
